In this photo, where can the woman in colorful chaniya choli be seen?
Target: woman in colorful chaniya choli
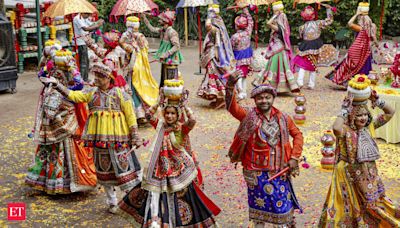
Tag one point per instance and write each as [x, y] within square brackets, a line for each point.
[217, 58]
[170, 195]
[359, 56]
[143, 86]
[61, 163]
[278, 71]
[356, 196]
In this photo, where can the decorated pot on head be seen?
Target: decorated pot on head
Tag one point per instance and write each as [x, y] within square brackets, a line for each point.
[278, 6]
[173, 89]
[359, 87]
[50, 47]
[213, 8]
[132, 22]
[363, 8]
[62, 58]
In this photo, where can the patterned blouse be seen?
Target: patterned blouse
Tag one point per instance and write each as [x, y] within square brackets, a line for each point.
[241, 40]
[111, 115]
[311, 30]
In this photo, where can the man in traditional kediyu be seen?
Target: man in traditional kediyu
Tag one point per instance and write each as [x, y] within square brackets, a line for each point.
[262, 145]
[111, 130]
[168, 53]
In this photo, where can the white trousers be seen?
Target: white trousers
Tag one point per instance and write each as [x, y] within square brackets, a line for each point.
[300, 78]
[111, 195]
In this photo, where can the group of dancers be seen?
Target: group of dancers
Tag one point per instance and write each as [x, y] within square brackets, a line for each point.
[87, 134]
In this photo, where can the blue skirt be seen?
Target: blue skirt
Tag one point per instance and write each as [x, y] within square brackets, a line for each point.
[270, 202]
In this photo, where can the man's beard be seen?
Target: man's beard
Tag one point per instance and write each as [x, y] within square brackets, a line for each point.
[264, 107]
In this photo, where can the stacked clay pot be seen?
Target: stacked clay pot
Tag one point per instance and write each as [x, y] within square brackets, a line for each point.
[328, 150]
[300, 109]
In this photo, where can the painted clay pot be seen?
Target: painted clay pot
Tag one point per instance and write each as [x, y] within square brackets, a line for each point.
[300, 99]
[299, 118]
[173, 89]
[300, 109]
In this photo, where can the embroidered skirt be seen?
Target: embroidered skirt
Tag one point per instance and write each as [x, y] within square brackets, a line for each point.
[310, 47]
[189, 207]
[212, 87]
[307, 62]
[358, 60]
[113, 168]
[62, 168]
[278, 73]
[270, 202]
[359, 201]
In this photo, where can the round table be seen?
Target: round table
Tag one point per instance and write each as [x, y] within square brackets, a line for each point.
[390, 132]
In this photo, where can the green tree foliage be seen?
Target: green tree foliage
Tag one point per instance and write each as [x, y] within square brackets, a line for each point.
[392, 25]
[338, 31]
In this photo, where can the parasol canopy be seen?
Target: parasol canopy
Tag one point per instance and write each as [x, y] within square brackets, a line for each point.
[254, 2]
[67, 7]
[128, 7]
[151, 4]
[194, 3]
[310, 1]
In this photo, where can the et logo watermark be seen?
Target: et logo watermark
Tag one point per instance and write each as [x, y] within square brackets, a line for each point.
[16, 211]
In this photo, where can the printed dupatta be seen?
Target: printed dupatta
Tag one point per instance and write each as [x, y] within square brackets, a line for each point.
[219, 37]
[167, 184]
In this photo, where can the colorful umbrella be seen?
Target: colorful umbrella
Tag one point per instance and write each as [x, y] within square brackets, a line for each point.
[194, 3]
[310, 1]
[67, 7]
[128, 7]
[254, 2]
[151, 4]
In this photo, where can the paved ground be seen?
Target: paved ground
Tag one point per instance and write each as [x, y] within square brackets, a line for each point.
[211, 139]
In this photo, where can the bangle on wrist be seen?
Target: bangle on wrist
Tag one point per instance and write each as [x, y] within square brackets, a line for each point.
[380, 103]
[294, 158]
[343, 113]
